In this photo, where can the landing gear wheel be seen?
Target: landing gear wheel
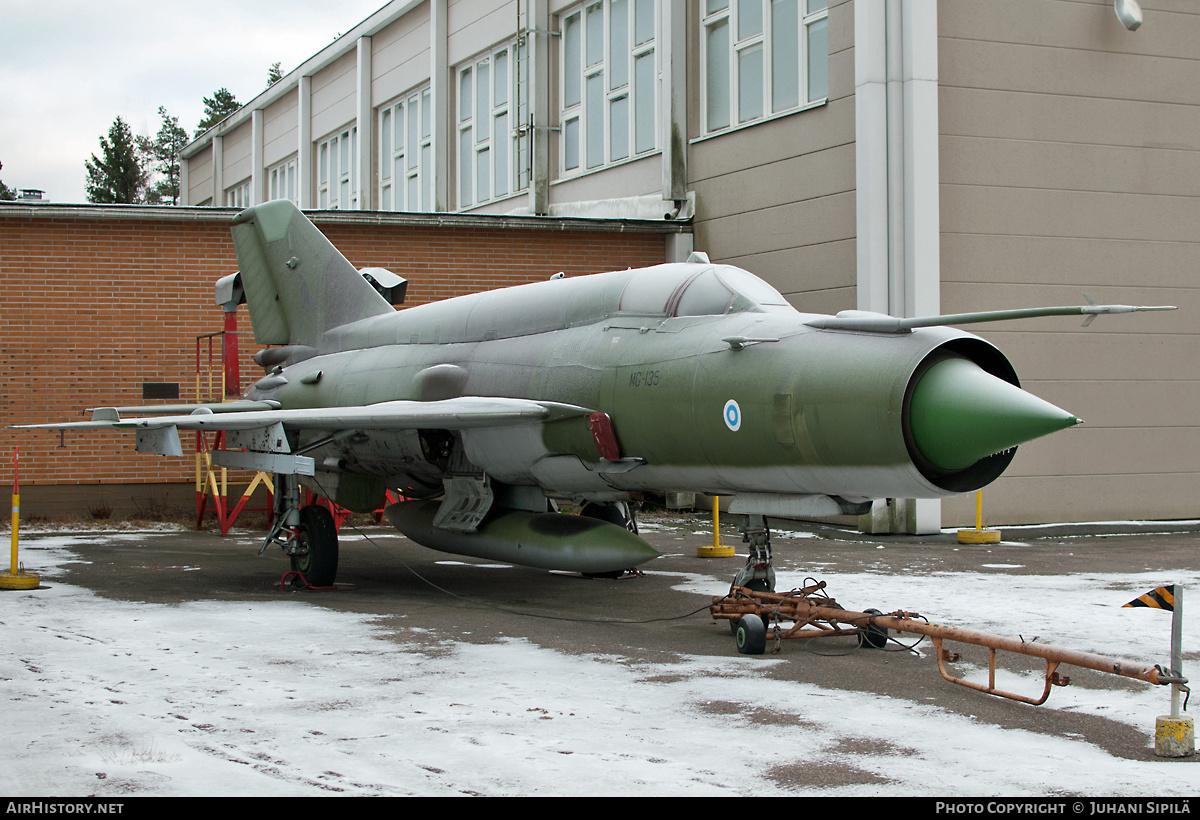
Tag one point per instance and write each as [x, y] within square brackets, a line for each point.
[751, 635]
[318, 533]
[873, 637]
[618, 512]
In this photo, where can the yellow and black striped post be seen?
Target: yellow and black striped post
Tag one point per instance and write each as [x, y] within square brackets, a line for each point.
[1174, 734]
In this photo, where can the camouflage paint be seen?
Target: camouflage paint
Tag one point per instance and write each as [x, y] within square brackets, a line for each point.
[819, 411]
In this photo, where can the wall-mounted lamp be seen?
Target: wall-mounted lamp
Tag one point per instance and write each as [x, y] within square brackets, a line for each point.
[1129, 13]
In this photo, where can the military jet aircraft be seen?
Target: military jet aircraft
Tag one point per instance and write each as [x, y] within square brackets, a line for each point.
[484, 409]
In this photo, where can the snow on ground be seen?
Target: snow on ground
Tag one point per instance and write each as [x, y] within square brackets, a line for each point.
[118, 699]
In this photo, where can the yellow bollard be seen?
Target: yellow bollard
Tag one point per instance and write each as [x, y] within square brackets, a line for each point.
[981, 534]
[716, 550]
[1174, 736]
[16, 577]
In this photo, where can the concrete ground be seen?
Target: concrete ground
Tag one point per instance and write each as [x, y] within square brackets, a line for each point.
[652, 619]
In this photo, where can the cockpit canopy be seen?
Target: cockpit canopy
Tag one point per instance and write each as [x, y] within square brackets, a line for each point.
[664, 291]
[682, 290]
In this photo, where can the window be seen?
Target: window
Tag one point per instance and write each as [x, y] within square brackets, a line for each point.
[406, 153]
[493, 107]
[609, 71]
[337, 162]
[239, 195]
[282, 181]
[761, 58]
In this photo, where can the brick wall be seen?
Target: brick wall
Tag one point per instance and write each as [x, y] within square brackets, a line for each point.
[94, 301]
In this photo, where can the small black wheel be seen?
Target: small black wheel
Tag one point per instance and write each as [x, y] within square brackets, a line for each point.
[733, 625]
[318, 533]
[615, 513]
[873, 637]
[751, 635]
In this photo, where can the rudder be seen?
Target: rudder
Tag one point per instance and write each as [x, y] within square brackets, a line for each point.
[297, 284]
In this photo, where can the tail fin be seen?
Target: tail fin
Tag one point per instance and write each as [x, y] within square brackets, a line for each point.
[297, 284]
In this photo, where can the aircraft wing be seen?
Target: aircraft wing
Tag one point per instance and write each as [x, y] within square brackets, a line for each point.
[265, 430]
[461, 413]
[869, 322]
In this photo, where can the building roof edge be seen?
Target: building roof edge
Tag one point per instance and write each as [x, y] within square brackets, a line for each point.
[179, 213]
[290, 81]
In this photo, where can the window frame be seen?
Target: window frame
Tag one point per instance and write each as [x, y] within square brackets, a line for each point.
[628, 100]
[282, 180]
[238, 196]
[502, 153]
[337, 169]
[406, 152]
[812, 20]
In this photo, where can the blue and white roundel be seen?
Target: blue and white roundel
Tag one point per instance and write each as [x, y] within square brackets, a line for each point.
[733, 415]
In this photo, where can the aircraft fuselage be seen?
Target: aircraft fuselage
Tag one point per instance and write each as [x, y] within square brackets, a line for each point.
[790, 409]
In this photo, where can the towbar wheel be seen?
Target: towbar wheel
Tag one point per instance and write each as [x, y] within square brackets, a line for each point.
[872, 637]
[751, 635]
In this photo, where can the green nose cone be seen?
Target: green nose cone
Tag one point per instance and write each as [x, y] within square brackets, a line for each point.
[960, 413]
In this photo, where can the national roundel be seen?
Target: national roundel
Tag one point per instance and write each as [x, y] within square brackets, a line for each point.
[733, 415]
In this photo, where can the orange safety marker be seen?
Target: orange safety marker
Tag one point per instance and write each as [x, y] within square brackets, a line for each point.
[17, 577]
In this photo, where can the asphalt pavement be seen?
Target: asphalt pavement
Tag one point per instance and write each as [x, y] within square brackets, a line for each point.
[653, 618]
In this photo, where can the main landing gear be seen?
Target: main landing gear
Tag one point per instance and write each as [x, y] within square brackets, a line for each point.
[308, 535]
[758, 574]
[622, 514]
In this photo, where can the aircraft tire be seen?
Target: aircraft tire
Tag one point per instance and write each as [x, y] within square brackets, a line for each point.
[317, 530]
[733, 625]
[751, 635]
[873, 637]
[612, 514]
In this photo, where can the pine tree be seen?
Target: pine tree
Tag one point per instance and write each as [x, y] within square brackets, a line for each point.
[274, 75]
[161, 155]
[216, 108]
[118, 177]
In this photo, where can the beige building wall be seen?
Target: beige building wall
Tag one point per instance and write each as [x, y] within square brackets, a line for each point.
[1070, 164]
[334, 89]
[400, 56]
[238, 156]
[475, 25]
[280, 126]
[777, 198]
[200, 178]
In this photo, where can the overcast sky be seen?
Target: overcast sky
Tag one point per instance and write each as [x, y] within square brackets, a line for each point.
[68, 68]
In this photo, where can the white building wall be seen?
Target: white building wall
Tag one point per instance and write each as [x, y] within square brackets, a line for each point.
[401, 59]
[238, 156]
[280, 130]
[334, 95]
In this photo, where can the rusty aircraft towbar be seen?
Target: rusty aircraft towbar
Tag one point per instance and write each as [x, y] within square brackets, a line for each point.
[816, 615]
